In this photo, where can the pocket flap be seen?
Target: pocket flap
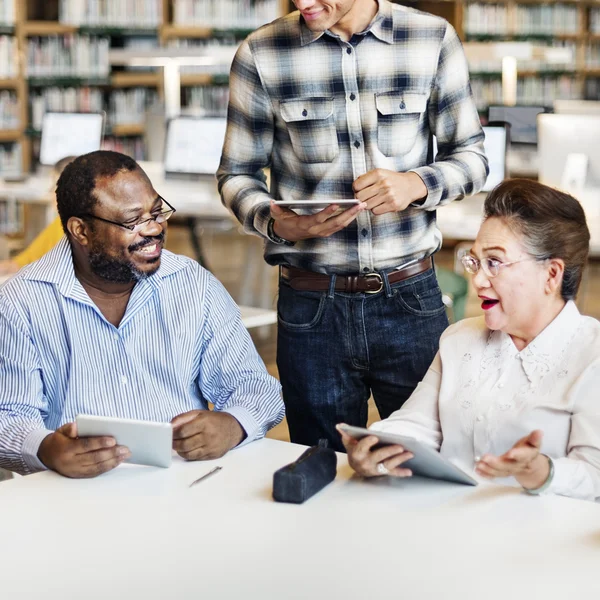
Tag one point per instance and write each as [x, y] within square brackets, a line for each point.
[395, 103]
[307, 109]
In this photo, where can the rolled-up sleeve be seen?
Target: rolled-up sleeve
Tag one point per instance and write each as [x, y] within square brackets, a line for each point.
[460, 167]
[22, 400]
[248, 145]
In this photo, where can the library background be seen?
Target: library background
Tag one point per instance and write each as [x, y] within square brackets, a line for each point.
[526, 57]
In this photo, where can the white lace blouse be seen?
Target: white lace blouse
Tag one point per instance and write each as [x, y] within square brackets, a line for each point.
[481, 395]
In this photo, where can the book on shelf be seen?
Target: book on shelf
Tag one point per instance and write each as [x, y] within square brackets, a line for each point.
[7, 12]
[9, 110]
[68, 55]
[8, 57]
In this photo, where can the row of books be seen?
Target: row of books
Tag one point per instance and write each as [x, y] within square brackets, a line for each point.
[123, 107]
[592, 89]
[530, 90]
[543, 19]
[131, 146]
[225, 14]
[7, 12]
[12, 214]
[482, 63]
[128, 107]
[130, 14]
[592, 56]
[69, 55]
[209, 100]
[11, 163]
[8, 54]
[9, 110]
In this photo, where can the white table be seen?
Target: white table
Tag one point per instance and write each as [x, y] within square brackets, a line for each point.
[140, 532]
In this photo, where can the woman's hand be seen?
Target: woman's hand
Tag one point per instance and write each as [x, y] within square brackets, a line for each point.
[368, 462]
[523, 461]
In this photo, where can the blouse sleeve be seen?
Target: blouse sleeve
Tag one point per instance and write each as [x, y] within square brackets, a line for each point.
[578, 474]
[419, 417]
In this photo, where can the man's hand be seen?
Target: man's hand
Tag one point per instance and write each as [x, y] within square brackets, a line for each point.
[205, 434]
[364, 459]
[293, 227]
[386, 191]
[65, 453]
[523, 461]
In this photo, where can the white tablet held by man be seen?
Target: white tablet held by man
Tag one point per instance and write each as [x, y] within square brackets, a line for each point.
[426, 461]
[317, 204]
[149, 443]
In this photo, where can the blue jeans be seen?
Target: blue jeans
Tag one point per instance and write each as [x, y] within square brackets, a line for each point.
[334, 349]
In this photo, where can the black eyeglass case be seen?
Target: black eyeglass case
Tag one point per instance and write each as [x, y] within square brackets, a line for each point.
[298, 481]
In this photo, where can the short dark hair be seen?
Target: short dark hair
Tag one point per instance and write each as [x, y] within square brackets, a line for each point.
[551, 223]
[75, 187]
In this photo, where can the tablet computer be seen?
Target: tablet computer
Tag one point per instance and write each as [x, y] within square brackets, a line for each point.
[347, 203]
[150, 443]
[426, 461]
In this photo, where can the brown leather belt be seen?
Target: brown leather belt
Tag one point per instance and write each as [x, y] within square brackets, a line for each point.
[371, 283]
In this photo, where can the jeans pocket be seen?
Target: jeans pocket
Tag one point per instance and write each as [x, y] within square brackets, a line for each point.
[398, 120]
[311, 126]
[422, 298]
[298, 311]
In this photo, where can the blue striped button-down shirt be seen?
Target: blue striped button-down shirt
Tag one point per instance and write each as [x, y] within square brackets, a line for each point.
[320, 112]
[180, 345]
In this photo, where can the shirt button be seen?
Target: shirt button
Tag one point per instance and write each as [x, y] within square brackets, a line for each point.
[365, 232]
[352, 97]
[402, 105]
[116, 336]
[479, 418]
[348, 50]
[123, 379]
[366, 270]
[357, 144]
[304, 113]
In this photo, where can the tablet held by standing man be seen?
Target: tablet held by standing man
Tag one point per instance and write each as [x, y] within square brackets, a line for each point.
[341, 99]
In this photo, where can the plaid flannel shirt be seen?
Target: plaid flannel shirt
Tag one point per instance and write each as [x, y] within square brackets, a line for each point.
[320, 112]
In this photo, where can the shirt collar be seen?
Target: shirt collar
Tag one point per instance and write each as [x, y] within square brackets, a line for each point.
[543, 354]
[382, 26]
[56, 267]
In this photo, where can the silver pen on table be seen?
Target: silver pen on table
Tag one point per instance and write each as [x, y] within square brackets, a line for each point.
[205, 476]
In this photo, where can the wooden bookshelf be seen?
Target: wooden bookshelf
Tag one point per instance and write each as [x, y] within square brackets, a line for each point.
[29, 24]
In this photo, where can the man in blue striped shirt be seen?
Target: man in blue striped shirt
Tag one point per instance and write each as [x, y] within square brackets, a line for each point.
[108, 323]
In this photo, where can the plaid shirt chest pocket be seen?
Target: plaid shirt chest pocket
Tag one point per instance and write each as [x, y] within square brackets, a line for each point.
[398, 120]
[311, 126]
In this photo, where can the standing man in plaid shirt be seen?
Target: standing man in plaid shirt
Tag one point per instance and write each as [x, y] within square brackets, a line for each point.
[341, 100]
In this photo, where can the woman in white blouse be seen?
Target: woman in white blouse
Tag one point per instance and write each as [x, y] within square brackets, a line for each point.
[515, 393]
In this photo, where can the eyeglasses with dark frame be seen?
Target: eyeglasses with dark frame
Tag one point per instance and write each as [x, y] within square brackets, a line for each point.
[139, 225]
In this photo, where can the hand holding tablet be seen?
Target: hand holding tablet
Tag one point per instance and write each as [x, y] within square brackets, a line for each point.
[418, 458]
[149, 443]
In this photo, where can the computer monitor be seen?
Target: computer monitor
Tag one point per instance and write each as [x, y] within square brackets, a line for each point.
[522, 120]
[569, 154]
[577, 107]
[495, 143]
[70, 134]
[193, 145]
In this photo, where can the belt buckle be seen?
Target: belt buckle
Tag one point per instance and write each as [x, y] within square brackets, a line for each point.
[380, 283]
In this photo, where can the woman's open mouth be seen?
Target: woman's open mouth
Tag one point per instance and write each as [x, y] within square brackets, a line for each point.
[489, 303]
